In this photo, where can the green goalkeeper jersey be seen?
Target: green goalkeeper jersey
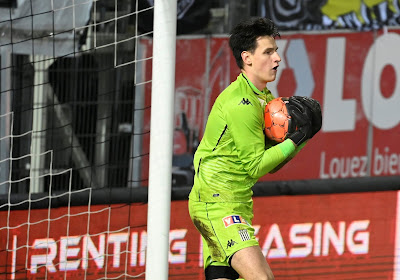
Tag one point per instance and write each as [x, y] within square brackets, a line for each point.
[234, 152]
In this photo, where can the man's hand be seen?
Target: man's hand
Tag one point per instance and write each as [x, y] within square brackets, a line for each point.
[301, 116]
[315, 109]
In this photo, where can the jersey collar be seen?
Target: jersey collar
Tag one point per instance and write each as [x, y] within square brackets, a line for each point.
[260, 94]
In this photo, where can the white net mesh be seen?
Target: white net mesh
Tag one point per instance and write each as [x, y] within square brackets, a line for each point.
[74, 130]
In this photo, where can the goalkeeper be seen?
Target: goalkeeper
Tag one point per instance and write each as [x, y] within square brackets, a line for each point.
[234, 153]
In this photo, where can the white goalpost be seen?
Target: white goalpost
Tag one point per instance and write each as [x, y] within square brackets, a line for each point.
[161, 138]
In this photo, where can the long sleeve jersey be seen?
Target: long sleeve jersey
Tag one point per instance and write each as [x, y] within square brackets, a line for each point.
[234, 152]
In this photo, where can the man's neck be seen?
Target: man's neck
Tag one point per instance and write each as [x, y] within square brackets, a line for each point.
[259, 85]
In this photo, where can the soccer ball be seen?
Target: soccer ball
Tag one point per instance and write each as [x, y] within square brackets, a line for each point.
[277, 120]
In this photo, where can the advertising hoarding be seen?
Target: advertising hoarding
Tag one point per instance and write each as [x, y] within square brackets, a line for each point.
[337, 236]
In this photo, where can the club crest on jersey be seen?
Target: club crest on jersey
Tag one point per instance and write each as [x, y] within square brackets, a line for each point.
[234, 219]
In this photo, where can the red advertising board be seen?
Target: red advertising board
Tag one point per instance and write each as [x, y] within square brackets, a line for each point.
[340, 236]
[354, 75]
[333, 236]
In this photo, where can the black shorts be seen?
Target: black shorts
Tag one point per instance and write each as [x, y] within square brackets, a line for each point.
[216, 272]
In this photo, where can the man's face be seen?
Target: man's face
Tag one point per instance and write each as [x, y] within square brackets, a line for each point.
[264, 61]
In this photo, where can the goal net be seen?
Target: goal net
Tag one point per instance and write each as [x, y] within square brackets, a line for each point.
[74, 138]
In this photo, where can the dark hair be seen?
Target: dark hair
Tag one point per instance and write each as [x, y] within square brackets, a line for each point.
[244, 36]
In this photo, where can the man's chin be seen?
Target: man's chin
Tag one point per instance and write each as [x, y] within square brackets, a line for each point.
[271, 79]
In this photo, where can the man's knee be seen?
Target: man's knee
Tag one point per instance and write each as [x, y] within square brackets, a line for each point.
[269, 276]
[251, 264]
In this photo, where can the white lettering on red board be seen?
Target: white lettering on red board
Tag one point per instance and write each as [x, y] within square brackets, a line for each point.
[317, 239]
[301, 240]
[383, 163]
[340, 114]
[75, 252]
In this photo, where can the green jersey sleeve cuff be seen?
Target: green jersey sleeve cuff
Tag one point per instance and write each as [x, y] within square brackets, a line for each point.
[287, 147]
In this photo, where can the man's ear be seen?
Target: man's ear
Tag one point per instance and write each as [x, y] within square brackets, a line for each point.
[246, 57]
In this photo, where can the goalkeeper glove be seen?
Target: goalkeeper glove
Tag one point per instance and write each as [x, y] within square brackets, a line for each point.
[301, 116]
[315, 109]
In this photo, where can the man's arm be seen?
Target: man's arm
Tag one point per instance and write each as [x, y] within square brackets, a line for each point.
[246, 129]
[289, 158]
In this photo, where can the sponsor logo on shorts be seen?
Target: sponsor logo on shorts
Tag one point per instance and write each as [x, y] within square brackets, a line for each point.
[230, 243]
[234, 219]
[244, 234]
